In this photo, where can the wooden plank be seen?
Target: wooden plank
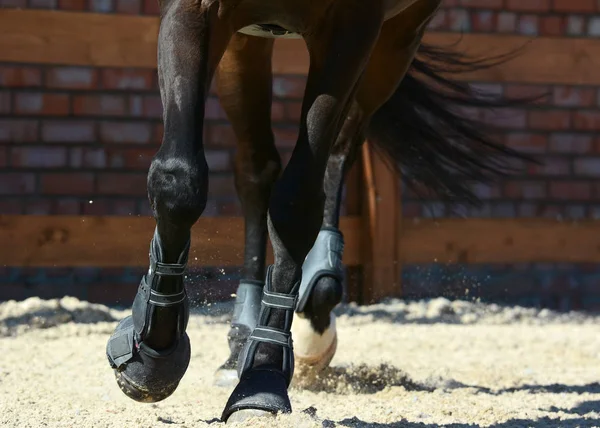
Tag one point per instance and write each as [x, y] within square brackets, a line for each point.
[115, 241]
[36, 36]
[382, 215]
[500, 241]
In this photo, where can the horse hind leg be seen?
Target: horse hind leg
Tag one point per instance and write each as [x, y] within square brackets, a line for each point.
[244, 85]
[150, 350]
[315, 337]
[321, 288]
[266, 365]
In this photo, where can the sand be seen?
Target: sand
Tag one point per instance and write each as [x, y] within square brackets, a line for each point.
[423, 364]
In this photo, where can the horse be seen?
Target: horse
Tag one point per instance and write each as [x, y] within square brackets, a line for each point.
[370, 76]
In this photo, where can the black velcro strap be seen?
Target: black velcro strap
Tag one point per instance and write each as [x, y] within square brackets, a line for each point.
[164, 300]
[166, 269]
[120, 346]
[279, 300]
[272, 335]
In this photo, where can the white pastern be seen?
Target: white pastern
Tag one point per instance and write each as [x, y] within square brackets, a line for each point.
[308, 343]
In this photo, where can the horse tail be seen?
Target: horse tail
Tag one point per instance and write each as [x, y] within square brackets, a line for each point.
[424, 129]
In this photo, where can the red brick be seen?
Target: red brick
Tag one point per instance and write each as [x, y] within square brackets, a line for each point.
[293, 110]
[3, 156]
[528, 25]
[125, 132]
[152, 107]
[21, 4]
[42, 4]
[39, 157]
[5, 102]
[506, 118]
[458, 20]
[483, 21]
[574, 5]
[575, 25]
[552, 25]
[15, 76]
[138, 159]
[16, 183]
[439, 21]
[214, 110]
[158, 132]
[84, 157]
[151, 7]
[550, 119]
[132, 7]
[99, 105]
[72, 4]
[72, 78]
[541, 93]
[570, 143]
[526, 142]
[221, 186]
[18, 130]
[289, 87]
[525, 189]
[127, 79]
[482, 4]
[551, 166]
[42, 103]
[572, 96]
[10, 207]
[277, 111]
[136, 106]
[67, 183]
[570, 190]
[68, 132]
[586, 120]
[285, 137]
[587, 166]
[38, 207]
[122, 184]
[219, 136]
[218, 160]
[528, 5]
[506, 22]
[66, 207]
[102, 6]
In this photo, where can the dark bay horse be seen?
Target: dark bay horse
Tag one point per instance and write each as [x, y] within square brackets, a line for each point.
[369, 76]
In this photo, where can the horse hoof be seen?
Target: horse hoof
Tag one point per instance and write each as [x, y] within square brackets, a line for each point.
[313, 351]
[147, 376]
[243, 415]
[258, 393]
[226, 378]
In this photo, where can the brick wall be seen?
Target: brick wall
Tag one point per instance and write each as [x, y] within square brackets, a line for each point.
[78, 140]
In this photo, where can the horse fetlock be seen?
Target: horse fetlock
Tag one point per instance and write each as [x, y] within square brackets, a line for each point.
[178, 188]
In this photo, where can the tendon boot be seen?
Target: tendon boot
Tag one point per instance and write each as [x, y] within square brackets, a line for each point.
[262, 390]
[314, 328]
[245, 316]
[145, 374]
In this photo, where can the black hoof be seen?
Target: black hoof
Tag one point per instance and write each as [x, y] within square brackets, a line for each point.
[262, 390]
[149, 376]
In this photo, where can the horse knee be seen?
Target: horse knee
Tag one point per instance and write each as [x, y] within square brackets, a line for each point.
[255, 176]
[177, 189]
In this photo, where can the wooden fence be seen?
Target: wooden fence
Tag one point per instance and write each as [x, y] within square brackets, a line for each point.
[127, 41]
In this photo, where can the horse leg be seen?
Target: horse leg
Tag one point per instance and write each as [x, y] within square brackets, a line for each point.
[296, 205]
[315, 338]
[244, 84]
[150, 350]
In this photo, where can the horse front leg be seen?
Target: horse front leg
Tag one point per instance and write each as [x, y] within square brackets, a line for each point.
[150, 350]
[339, 50]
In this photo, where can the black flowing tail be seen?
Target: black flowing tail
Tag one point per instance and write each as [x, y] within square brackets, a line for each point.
[425, 132]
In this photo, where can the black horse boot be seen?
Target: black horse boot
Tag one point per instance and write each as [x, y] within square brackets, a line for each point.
[145, 374]
[245, 316]
[263, 390]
